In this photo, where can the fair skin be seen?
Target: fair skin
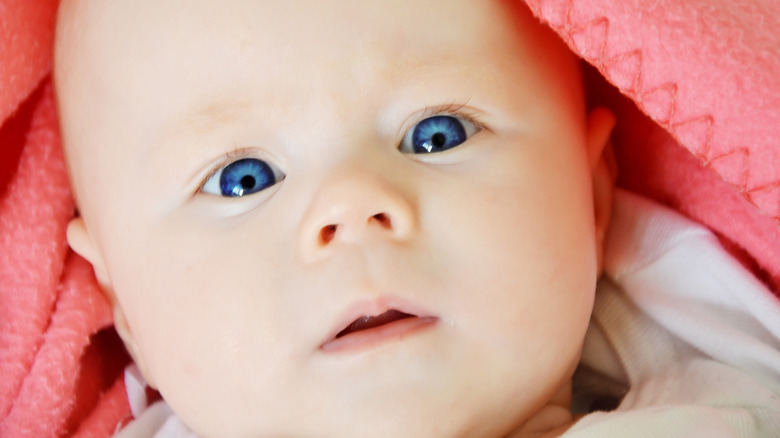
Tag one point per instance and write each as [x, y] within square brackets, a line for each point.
[231, 305]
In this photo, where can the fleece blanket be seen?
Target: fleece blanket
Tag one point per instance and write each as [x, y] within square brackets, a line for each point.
[695, 85]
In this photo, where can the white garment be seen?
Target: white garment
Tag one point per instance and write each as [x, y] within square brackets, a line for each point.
[687, 337]
[155, 421]
[690, 333]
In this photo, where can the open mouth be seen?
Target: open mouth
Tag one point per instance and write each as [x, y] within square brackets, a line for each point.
[367, 322]
[369, 330]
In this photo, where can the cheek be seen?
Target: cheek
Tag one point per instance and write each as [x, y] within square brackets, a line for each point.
[202, 311]
[523, 264]
[520, 246]
[516, 276]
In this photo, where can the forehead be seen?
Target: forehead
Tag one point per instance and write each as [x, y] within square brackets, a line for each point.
[122, 48]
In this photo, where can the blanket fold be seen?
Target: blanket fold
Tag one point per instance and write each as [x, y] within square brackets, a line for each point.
[708, 73]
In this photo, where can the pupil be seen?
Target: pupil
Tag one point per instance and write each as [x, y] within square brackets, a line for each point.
[438, 140]
[248, 182]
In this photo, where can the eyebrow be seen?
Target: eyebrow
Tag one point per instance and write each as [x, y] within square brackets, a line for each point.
[198, 120]
[206, 116]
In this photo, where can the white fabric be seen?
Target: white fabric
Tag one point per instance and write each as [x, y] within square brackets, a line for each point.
[157, 420]
[691, 335]
[682, 332]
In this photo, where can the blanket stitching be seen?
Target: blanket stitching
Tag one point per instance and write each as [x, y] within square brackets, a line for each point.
[569, 31]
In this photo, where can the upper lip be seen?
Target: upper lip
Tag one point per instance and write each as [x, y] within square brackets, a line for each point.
[360, 315]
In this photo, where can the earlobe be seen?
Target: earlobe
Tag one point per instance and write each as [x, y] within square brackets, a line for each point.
[600, 123]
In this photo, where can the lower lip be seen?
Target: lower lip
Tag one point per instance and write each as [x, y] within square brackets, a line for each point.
[376, 336]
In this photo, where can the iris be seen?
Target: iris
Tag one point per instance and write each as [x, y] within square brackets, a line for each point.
[246, 176]
[438, 133]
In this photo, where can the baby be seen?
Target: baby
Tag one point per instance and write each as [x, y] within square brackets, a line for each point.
[341, 218]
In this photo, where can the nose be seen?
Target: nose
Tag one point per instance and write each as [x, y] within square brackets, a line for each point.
[355, 206]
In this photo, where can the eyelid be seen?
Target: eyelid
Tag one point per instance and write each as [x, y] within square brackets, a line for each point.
[460, 110]
[231, 157]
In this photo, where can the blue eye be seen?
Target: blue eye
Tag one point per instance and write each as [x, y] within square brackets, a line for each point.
[437, 134]
[241, 178]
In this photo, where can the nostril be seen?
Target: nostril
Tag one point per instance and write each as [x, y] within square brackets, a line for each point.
[327, 232]
[383, 220]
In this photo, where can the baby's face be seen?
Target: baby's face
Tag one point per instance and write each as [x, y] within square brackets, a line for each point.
[255, 177]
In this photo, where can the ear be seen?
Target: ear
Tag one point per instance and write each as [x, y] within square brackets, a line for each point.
[82, 243]
[603, 166]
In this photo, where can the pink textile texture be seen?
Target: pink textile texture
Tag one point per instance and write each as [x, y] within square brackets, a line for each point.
[695, 85]
[708, 72]
[50, 307]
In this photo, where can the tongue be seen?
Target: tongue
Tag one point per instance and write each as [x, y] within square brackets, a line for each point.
[369, 322]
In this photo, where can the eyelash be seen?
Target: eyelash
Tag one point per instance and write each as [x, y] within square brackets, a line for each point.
[450, 109]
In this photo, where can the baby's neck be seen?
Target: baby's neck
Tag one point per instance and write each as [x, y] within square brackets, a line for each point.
[552, 420]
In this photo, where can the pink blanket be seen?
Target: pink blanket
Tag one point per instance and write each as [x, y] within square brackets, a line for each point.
[695, 84]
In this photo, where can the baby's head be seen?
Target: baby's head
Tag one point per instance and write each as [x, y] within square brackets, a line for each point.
[341, 218]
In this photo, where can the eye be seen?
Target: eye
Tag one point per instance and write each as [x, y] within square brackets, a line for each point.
[242, 177]
[437, 134]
